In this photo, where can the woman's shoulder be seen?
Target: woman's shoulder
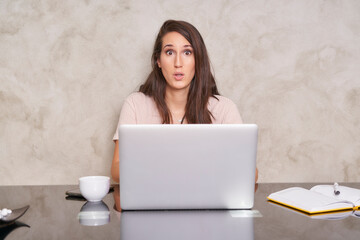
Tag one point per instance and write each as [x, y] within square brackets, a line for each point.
[141, 103]
[224, 110]
[139, 108]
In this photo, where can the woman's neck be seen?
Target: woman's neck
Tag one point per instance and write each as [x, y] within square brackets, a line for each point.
[176, 102]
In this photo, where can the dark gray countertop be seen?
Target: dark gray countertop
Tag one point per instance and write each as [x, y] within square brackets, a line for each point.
[52, 216]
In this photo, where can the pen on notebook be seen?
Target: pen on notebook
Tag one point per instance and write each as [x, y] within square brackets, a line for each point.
[336, 190]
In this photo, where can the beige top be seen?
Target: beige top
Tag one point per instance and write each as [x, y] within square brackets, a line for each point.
[141, 109]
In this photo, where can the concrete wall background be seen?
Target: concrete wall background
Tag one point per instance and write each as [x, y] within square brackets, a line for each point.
[292, 67]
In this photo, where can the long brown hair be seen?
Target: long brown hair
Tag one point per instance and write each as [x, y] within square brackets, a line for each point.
[203, 85]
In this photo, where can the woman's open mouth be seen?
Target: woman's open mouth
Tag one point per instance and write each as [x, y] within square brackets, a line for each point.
[178, 76]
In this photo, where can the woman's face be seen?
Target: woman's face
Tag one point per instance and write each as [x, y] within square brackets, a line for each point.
[177, 61]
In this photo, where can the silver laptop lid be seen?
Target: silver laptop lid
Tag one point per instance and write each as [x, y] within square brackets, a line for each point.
[190, 166]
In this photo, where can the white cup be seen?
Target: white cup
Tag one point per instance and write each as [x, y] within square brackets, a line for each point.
[94, 188]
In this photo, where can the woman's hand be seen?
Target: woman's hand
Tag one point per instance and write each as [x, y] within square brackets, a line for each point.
[116, 195]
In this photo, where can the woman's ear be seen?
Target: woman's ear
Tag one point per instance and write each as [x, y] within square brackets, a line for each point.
[158, 62]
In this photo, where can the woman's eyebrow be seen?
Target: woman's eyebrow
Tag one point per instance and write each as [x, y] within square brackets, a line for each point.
[170, 45]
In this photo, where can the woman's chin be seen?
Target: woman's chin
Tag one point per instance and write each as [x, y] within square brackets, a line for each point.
[178, 86]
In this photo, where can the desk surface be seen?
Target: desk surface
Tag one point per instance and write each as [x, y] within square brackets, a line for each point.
[51, 216]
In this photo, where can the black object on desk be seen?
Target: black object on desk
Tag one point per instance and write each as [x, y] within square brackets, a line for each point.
[75, 194]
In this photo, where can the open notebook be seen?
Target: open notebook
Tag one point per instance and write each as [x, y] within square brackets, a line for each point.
[319, 199]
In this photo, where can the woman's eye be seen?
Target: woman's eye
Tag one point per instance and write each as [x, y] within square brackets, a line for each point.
[187, 52]
[169, 52]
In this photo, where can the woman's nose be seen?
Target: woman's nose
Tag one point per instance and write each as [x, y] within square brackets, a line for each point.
[178, 61]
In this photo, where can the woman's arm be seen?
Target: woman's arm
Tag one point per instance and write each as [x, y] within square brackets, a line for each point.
[256, 175]
[115, 163]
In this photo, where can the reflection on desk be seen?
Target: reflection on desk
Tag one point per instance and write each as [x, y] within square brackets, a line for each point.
[6, 229]
[94, 214]
[192, 224]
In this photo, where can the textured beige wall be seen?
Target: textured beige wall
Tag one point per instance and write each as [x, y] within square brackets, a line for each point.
[292, 67]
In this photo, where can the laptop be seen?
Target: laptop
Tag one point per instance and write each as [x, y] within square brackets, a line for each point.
[187, 166]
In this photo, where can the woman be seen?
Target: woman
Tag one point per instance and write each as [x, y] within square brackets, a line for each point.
[180, 89]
